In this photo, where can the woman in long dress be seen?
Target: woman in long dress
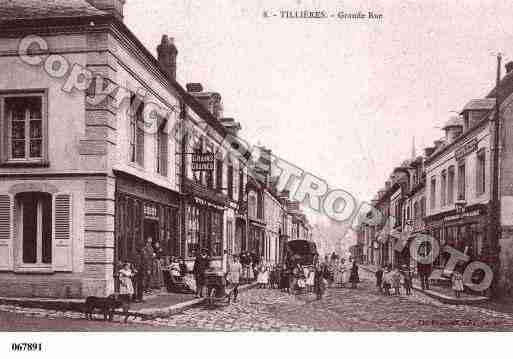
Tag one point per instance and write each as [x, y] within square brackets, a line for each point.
[354, 277]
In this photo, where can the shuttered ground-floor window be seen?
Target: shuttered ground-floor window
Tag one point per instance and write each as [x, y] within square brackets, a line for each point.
[36, 231]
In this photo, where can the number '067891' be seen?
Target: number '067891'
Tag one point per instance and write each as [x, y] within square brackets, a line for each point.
[26, 347]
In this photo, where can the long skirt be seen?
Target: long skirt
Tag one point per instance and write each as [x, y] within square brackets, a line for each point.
[157, 277]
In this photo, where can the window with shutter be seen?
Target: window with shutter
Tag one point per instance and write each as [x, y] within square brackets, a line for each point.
[33, 229]
[62, 232]
[5, 232]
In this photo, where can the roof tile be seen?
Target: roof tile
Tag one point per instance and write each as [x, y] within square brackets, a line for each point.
[43, 9]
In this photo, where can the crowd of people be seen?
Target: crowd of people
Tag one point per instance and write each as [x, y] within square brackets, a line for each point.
[152, 270]
[293, 277]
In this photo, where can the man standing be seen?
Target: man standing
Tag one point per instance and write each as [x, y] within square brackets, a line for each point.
[201, 265]
[379, 277]
[147, 260]
[140, 271]
[234, 274]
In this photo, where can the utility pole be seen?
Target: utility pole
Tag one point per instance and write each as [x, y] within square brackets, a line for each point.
[494, 215]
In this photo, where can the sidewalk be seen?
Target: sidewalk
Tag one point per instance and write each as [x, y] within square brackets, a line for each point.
[442, 294]
[158, 305]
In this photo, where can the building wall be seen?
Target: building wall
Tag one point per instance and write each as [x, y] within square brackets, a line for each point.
[273, 219]
[446, 160]
[505, 270]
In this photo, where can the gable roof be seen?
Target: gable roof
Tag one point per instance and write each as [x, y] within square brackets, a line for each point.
[45, 9]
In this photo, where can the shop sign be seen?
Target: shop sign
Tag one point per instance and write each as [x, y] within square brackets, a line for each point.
[467, 148]
[202, 202]
[202, 162]
[463, 215]
[150, 210]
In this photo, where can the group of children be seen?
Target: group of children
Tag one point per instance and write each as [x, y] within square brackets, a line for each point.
[268, 276]
[393, 279]
[276, 277]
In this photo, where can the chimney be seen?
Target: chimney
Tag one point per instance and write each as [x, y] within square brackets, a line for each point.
[509, 67]
[230, 125]
[115, 7]
[428, 151]
[167, 56]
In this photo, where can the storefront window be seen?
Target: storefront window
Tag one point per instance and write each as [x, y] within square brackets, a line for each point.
[217, 233]
[192, 215]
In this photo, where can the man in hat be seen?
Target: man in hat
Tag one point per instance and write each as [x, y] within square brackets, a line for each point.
[201, 265]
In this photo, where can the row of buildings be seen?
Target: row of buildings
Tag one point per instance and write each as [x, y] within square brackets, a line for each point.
[447, 192]
[85, 182]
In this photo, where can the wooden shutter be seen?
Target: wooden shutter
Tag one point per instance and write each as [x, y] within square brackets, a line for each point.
[62, 258]
[6, 232]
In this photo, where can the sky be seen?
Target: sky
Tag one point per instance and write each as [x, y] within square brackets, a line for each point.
[342, 99]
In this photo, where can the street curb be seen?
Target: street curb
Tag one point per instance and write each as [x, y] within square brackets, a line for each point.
[152, 313]
[77, 305]
[443, 298]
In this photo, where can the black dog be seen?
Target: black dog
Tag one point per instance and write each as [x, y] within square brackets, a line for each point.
[107, 306]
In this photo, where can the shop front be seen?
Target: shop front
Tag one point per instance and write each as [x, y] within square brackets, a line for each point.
[465, 231]
[204, 210]
[144, 210]
[256, 243]
[203, 228]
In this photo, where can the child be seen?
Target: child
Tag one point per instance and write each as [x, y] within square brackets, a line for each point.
[261, 278]
[457, 283]
[126, 288]
[396, 282]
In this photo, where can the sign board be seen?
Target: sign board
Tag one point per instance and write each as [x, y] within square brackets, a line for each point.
[473, 213]
[467, 148]
[150, 210]
[203, 162]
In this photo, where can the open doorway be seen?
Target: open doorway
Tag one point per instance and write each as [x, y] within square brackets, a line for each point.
[151, 229]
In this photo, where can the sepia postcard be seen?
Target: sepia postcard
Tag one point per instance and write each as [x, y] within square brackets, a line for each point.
[255, 166]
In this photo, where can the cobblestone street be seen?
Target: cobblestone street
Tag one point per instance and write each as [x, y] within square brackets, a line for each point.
[342, 309]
